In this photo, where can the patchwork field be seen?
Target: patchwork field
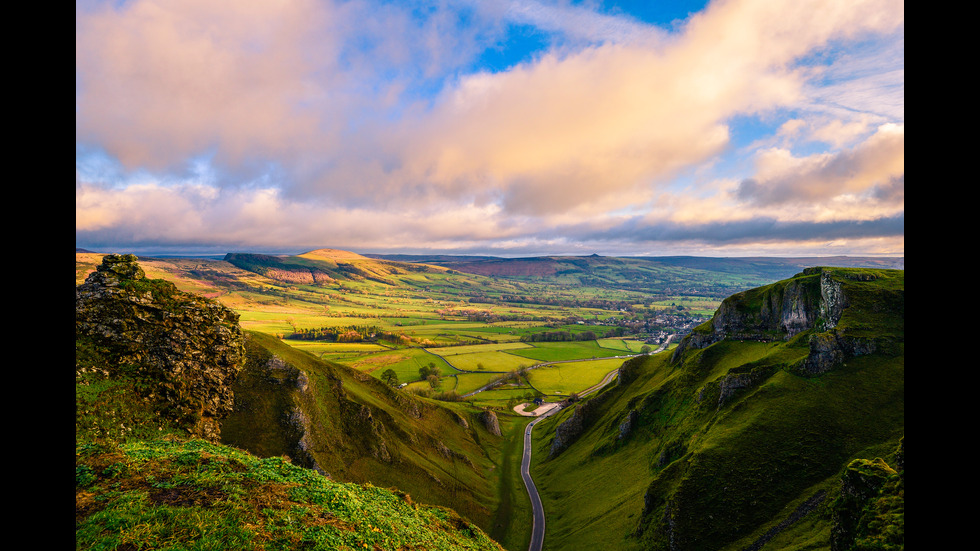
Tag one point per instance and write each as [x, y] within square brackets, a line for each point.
[398, 321]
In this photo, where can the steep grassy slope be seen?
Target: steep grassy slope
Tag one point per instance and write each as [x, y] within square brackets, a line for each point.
[736, 443]
[356, 428]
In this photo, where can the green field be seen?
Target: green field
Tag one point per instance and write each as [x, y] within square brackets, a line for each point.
[560, 351]
[489, 361]
[631, 346]
[566, 378]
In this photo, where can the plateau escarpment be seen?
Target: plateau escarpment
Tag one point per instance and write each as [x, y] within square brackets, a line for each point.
[816, 302]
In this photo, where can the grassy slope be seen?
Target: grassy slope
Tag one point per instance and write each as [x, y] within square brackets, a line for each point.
[733, 472]
[412, 430]
[195, 495]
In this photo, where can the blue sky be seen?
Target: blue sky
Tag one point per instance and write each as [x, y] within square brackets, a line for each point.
[734, 128]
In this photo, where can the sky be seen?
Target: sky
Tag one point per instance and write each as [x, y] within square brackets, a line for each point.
[505, 128]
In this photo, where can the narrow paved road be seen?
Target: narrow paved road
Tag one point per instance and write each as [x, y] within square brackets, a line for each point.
[537, 511]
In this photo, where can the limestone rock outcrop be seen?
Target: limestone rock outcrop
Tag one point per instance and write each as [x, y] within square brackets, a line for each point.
[186, 349]
[814, 300]
[490, 421]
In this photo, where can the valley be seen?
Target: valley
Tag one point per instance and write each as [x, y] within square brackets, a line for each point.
[438, 361]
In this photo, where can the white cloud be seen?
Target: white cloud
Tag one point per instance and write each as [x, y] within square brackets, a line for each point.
[317, 116]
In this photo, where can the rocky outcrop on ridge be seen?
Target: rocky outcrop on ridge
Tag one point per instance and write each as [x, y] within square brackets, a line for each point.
[583, 416]
[814, 300]
[186, 349]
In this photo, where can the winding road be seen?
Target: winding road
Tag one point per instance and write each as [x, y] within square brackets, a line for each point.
[537, 511]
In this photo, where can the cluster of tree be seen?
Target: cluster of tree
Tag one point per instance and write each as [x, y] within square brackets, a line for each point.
[349, 333]
[564, 336]
[430, 373]
[390, 377]
[597, 303]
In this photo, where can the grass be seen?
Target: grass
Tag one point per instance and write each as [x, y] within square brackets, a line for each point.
[512, 522]
[566, 378]
[361, 430]
[196, 495]
[770, 449]
[459, 350]
[630, 346]
[468, 382]
[489, 361]
[558, 351]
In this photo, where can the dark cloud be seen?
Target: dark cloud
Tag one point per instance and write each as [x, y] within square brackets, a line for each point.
[761, 229]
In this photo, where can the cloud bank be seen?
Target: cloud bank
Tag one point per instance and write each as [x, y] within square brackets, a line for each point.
[284, 125]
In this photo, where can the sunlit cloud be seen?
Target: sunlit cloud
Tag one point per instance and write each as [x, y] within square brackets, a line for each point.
[874, 165]
[310, 118]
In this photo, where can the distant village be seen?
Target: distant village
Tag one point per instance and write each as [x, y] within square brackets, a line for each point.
[655, 329]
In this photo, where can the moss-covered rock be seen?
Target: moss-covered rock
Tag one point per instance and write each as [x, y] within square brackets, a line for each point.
[869, 513]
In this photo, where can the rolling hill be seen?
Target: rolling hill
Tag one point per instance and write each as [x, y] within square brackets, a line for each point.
[776, 424]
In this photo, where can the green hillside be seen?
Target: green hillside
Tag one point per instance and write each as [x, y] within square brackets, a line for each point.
[740, 439]
[776, 424]
[356, 428]
[192, 434]
[177, 494]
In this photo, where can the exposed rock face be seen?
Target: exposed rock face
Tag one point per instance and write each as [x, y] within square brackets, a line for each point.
[570, 429]
[186, 347]
[832, 301]
[567, 432]
[626, 427]
[367, 424]
[489, 418]
[814, 300]
[735, 380]
[629, 370]
[778, 311]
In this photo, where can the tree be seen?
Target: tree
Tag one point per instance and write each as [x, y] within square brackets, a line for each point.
[390, 377]
[433, 380]
[431, 369]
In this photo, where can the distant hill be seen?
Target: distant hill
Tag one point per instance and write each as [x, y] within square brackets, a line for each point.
[758, 430]
[325, 266]
[768, 267]
[703, 276]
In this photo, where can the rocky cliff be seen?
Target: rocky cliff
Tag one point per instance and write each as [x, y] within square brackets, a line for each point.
[815, 302]
[741, 436]
[184, 351]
